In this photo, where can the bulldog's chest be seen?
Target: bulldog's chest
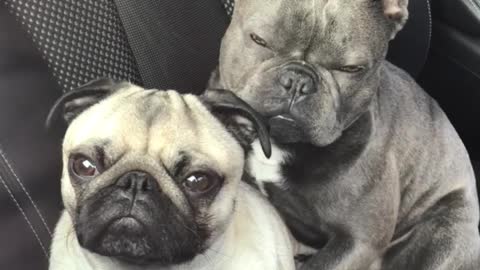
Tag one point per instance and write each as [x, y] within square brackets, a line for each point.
[268, 170]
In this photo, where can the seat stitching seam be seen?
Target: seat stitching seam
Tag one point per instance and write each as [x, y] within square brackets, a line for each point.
[24, 215]
[25, 191]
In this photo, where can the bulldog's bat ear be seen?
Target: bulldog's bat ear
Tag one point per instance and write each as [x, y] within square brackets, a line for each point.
[74, 102]
[397, 12]
[243, 121]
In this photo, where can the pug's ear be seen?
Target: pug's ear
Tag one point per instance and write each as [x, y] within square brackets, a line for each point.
[239, 118]
[397, 12]
[74, 102]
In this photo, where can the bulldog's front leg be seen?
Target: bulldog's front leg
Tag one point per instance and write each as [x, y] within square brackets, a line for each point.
[343, 252]
[342, 244]
[445, 239]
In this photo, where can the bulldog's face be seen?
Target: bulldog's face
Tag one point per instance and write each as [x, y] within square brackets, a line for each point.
[311, 66]
[149, 176]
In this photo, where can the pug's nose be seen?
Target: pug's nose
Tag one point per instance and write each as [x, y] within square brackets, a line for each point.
[136, 182]
[298, 80]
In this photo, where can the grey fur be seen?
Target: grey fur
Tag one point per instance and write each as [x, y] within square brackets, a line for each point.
[386, 181]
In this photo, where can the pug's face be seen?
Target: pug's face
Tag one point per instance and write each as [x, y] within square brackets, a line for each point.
[149, 176]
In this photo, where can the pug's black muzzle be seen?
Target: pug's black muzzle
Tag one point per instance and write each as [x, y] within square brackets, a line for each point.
[133, 220]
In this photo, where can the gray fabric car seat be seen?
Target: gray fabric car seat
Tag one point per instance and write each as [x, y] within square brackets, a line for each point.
[50, 46]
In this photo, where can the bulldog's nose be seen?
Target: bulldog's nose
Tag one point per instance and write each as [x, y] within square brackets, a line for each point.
[136, 182]
[298, 79]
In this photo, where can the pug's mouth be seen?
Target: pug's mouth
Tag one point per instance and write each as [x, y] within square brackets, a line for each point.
[284, 128]
[126, 239]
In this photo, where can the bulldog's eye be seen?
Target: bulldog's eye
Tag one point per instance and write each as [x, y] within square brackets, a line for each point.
[83, 166]
[201, 182]
[352, 69]
[257, 39]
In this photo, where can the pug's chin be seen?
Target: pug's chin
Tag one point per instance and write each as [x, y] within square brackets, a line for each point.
[129, 241]
[126, 239]
[285, 130]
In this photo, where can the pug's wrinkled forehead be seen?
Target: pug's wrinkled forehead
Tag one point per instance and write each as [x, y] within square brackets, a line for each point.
[158, 123]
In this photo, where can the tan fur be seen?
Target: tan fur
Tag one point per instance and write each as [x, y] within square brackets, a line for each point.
[148, 130]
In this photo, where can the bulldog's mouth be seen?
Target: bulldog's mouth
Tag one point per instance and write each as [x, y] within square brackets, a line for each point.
[285, 129]
[284, 117]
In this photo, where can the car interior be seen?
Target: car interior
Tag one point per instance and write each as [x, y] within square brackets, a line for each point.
[48, 47]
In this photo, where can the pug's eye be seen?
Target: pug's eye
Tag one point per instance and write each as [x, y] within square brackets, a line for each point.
[352, 69]
[83, 166]
[257, 39]
[201, 182]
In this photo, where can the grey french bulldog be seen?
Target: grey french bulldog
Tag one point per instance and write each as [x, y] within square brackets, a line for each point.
[366, 167]
[152, 181]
